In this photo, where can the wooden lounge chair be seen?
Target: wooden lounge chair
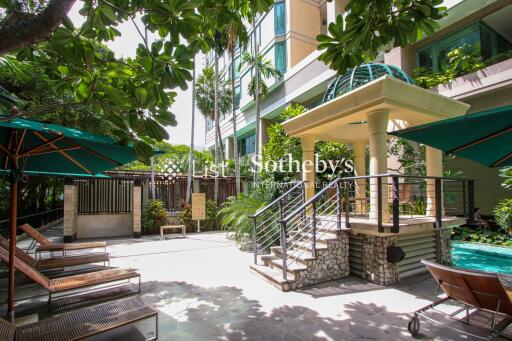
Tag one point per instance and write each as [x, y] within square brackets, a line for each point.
[57, 263]
[474, 289]
[65, 284]
[83, 323]
[47, 245]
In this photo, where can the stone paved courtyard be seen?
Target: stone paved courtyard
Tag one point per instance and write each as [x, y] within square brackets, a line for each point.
[203, 289]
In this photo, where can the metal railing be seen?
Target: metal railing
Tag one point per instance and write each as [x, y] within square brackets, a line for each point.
[36, 220]
[266, 220]
[348, 199]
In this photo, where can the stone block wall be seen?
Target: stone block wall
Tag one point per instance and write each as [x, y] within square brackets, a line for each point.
[444, 245]
[330, 264]
[376, 268]
[137, 209]
[70, 211]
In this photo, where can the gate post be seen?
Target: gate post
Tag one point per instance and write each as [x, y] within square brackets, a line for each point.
[70, 210]
[137, 208]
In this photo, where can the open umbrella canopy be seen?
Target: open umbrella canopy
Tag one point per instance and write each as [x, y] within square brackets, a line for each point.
[484, 137]
[50, 149]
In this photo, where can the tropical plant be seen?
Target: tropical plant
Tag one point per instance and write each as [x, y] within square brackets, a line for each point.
[154, 215]
[205, 98]
[461, 61]
[503, 214]
[266, 71]
[507, 174]
[371, 25]
[480, 235]
[134, 94]
[209, 224]
[236, 215]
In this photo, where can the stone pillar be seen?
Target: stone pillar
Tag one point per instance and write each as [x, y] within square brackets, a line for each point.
[70, 211]
[434, 167]
[359, 149]
[377, 130]
[334, 8]
[137, 209]
[308, 164]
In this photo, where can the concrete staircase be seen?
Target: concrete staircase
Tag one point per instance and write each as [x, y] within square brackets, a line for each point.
[304, 269]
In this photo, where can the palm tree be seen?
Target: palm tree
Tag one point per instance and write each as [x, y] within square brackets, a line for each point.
[258, 88]
[235, 33]
[256, 96]
[192, 131]
[213, 99]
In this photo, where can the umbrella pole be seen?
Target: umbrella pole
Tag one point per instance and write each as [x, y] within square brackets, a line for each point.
[12, 247]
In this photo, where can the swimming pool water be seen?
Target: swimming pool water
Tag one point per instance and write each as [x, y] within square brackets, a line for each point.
[482, 257]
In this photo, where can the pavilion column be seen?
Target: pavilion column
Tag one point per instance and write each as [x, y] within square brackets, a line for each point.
[434, 167]
[359, 149]
[70, 210]
[377, 130]
[137, 208]
[308, 164]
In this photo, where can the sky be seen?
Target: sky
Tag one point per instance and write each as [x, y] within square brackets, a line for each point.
[125, 46]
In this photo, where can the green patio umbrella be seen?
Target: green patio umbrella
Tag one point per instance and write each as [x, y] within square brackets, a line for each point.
[38, 148]
[484, 137]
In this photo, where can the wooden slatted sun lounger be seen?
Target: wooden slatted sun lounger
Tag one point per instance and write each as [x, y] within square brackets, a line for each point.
[47, 245]
[83, 323]
[474, 289]
[57, 263]
[68, 283]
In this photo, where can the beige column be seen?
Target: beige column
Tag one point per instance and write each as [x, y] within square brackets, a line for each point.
[70, 211]
[263, 138]
[229, 148]
[137, 209]
[434, 167]
[359, 149]
[308, 164]
[377, 130]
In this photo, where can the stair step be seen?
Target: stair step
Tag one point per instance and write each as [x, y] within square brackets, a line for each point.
[273, 276]
[301, 256]
[291, 266]
[308, 246]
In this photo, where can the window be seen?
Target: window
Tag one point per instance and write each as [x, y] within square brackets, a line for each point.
[250, 145]
[487, 41]
[279, 18]
[280, 57]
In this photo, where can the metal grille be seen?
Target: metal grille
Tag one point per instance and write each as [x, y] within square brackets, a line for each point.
[104, 196]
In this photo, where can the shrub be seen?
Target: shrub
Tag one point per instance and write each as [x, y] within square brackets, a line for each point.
[479, 235]
[503, 214]
[154, 215]
[209, 224]
[236, 215]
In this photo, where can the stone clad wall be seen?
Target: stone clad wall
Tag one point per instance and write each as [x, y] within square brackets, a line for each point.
[376, 268]
[444, 245]
[330, 264]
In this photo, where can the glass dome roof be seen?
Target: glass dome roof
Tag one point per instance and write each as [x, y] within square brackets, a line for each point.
[358, 76]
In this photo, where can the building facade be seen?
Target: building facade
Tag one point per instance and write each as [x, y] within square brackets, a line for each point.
[286, 37]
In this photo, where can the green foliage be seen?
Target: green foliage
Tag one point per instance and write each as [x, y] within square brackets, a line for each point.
[279, 145]
[500, 238]
[374, 24]
[179, 154]
[132, 94]
[410, 158]
[507, 174]
[209, 224]
[503, 214]
[205, 94]
[154, 215]
[236, 215]
[266, 70]
[461, 61]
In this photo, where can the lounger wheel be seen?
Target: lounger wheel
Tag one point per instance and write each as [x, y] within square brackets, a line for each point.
[414, 326]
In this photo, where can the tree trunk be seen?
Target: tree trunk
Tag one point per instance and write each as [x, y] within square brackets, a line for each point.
[221, 144]
[192, 130]
[257, 99]
[21, 29]
[235, 140]
[216, 122]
